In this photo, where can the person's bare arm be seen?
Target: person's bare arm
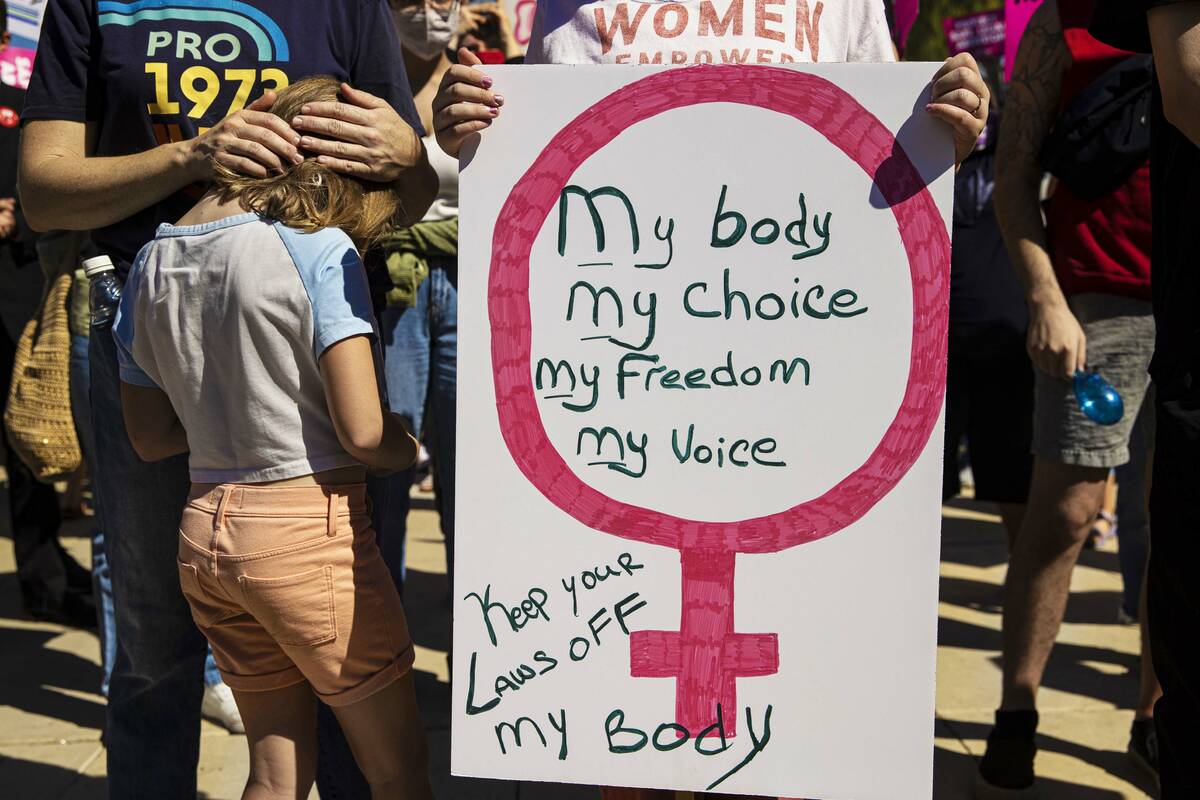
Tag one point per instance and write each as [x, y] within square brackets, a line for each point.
[150, 420]
[65, 186]
[1055, 340]
[372, 435]
[1175, 38]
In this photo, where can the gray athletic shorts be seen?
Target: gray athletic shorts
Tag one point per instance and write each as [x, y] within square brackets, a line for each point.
[1120, 341]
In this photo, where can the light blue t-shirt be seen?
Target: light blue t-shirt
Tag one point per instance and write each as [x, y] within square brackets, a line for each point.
[229, 319]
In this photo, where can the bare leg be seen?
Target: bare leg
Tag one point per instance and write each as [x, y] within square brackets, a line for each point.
[388, 739]
[1012, 515]
[281, 730]
[1063, 501]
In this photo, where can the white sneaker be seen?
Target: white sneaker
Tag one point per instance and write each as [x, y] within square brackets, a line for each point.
[220, 707]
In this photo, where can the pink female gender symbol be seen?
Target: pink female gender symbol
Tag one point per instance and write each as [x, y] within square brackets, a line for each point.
[706, 655]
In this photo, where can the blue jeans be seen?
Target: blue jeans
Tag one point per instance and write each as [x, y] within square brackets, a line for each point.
[420, 354]
[153, 725]
[81, 410]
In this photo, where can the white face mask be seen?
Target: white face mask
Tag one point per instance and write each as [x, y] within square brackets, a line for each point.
[426, 31]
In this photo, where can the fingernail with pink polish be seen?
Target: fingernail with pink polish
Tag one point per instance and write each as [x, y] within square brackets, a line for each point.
[493, 111]
[487, 82]
[499, 99]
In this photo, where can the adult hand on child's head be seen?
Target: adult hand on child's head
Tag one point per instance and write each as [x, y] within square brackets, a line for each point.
[464, 103]
[252, 141]
[960, 98]
[362, 136]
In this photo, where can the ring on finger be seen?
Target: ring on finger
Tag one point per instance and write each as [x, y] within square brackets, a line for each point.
[978, 106]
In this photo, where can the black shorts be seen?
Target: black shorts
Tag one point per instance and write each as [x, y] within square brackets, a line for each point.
[989, 400]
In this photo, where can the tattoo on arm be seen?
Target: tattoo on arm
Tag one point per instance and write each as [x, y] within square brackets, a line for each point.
[1029, 113]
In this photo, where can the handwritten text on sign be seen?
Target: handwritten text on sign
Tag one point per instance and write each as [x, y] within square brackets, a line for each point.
[715, 307]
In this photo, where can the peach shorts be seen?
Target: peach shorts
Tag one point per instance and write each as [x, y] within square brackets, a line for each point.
[288, 585]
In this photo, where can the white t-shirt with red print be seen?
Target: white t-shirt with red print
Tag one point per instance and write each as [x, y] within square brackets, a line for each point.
[709, 32]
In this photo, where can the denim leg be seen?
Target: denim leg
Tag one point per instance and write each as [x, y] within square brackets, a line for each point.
[212, 675]
[405, 335]
[406, 345]
[81, 411]
[1133, 533]
[443, 394]
[153, 732]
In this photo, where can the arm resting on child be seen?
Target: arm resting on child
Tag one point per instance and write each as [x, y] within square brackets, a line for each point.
[64, 186]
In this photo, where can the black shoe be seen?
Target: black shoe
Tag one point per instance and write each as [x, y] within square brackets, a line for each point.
[1143, 746]
[1006, 770]
[74, 611]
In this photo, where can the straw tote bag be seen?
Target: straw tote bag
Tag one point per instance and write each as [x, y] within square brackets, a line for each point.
[41, 430]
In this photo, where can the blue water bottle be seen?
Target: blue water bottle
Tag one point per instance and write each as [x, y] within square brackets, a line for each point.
[105, 293]
[1097, 398]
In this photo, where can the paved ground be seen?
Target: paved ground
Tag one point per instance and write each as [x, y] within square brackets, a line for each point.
[50, 711]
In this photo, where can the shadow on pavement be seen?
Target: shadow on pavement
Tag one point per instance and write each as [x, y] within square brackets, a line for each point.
[47, 782]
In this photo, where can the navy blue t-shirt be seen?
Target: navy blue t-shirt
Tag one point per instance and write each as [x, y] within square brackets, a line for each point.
[149, 72]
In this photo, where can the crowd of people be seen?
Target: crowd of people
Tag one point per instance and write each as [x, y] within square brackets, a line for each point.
[250, 409]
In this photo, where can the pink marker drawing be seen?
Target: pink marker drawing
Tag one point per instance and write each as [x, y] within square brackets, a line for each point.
[706, 655]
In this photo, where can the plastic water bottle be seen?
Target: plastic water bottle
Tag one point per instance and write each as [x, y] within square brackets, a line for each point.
[1097, 398]
[105, 289]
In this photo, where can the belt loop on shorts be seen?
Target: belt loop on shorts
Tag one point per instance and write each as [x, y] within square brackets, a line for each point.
[332, 515]
[219, 517]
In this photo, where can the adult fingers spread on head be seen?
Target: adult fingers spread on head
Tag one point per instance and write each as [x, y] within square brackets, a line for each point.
[337, 148]
[271, 132]
[263, 103]
[346, 166]
[332, 109]
[255, 151]
[362, 99]
[244, 166]
[335, 129]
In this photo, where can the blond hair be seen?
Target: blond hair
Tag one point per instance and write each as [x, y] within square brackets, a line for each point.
[310, 196]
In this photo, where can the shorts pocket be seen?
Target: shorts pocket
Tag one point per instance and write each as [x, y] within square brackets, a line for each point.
[297, 610]
[203, 610]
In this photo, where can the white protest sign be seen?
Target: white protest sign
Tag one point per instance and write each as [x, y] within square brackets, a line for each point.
[702, 354]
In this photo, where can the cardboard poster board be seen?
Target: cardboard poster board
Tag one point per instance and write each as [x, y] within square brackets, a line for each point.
[701, 366]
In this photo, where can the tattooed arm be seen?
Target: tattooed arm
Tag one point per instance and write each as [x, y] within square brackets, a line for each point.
[1175, 34]
[1055, 342]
